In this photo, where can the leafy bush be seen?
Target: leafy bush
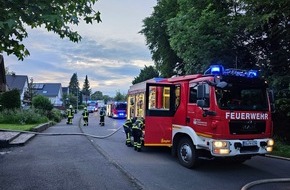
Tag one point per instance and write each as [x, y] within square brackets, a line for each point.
[42, 103]
[81, 106]
[18, 116]
[10, 99]
[55, 115]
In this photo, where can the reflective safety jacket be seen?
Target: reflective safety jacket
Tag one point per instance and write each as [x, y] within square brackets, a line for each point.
[85, 114]
[128, 123]
[69, 112]
[138, 124]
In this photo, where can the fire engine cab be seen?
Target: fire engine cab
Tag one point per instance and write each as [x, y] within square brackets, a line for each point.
[223, 113]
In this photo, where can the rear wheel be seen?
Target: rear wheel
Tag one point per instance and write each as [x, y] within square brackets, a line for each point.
[187, 153]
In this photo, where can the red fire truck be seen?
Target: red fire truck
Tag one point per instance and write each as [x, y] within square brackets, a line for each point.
[223, 113]
[116, 109]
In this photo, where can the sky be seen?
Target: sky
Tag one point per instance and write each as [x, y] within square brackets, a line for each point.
[111, 53]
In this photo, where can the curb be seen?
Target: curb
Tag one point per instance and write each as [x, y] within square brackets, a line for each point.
[42, 127]
[277, 157]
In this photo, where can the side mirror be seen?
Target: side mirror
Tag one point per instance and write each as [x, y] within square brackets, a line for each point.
[200, 91]
[200, 103]
[272, 100]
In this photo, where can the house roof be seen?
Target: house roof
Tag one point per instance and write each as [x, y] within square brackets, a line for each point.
[47, 89]
[16, 81]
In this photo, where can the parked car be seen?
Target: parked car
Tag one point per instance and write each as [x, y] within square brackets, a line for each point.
[91, 109]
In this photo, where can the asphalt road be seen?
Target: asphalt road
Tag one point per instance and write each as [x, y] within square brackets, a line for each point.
[104, 162]
[60, 162]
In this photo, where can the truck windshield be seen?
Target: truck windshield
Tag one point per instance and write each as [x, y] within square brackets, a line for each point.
[242, 97]
[121, 106]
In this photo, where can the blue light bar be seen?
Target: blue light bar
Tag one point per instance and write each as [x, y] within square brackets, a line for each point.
[219, 70]
[252, 74]
[241, 73]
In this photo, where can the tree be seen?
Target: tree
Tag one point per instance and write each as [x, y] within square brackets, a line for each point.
[29, 93]
[269, 34]
[74, 85]
[204, 33]
[167, 62]
[98, 95]
[57, 16]
[74, 88]
[145, 74]
[106, 98]
[119, 96]
[86, 89]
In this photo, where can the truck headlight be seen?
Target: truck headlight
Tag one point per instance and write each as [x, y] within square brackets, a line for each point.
[219, 144]
[270, 142]
[220, 147]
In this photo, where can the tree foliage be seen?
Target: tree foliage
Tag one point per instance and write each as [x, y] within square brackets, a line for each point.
[155, 30]
[74, 90]
[119, 96]
[57, 16]
[243, 34]
[98, 95]
[74, 85]
[29, 93]
[86, 91]
[145, 74]
[246, 34]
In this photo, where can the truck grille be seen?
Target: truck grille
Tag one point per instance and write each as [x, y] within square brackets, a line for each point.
[247, 127]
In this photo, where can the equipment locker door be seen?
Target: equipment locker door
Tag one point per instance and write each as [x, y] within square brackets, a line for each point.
[160, 98]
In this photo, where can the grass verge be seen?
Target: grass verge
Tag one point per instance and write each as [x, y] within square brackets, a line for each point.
[281, 149]
[27, 127]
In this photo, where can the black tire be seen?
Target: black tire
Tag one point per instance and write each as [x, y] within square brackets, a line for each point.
[187, 153]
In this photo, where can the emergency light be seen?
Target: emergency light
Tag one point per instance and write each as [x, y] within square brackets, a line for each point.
[219, 70]
[215, 70]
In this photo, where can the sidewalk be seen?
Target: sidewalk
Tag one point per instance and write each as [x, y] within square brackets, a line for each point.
[9, 138]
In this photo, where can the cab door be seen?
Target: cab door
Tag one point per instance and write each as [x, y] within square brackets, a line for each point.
[195, 114]
[159, 111]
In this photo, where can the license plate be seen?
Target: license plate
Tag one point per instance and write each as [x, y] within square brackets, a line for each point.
[250, 143]
[121, 113]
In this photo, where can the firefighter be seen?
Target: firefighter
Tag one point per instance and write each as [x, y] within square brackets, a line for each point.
[137, 133]
[69, 114]
[128, 130]
[85, 116]
[102, 117]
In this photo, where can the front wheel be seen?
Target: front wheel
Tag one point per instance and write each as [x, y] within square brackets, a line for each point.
[187, 153]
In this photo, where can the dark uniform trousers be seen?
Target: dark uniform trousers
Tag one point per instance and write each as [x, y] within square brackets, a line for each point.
[137, 134]
[102, 118]
[128, 131]
[86, 118]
